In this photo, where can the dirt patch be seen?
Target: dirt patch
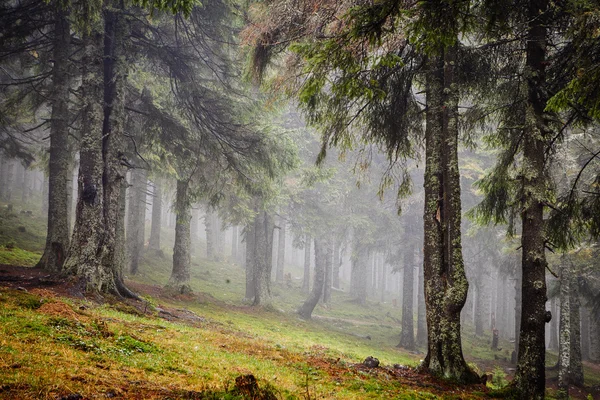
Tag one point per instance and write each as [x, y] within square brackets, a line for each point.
[59, 309]
[30, 278]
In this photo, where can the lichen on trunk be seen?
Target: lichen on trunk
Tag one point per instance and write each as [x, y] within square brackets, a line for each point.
[445, 281]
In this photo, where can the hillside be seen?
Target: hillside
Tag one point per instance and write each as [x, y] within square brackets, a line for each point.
[54, 343]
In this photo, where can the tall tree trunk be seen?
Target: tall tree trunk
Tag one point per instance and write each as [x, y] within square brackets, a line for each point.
[154, 242]
[136, 220]
[530, 377]
[518, 308]
[322, 252]
[82, 259]
[113, 131]
[306, 275]
[57, 237]
[120, 259]
[279, 275]
[478, 303]
[576, 366]
[565, 336]
[93, 250]
[180, 275]
[407, 336]
[262, 257]
[446, 285]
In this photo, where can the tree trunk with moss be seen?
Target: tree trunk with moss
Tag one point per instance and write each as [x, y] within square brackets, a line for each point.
[180, 275]
[576, 372]
[564, 348]
[93, 251]
[113, 147]
[57, 237]
[82, 259]
[446, 285]
[530, 377]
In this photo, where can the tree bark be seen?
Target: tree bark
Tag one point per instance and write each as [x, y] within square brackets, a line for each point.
[92, 252]
[530, 377]
[407, 335]
[154, 243]
[564, 354]
[180, 275]
[322, 252]
[57, 237]
[576, 366]
[82, 259]
[446, 285]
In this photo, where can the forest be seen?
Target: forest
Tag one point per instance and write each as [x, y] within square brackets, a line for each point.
[286, 199]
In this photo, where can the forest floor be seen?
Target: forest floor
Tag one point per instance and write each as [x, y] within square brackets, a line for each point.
[57, 344]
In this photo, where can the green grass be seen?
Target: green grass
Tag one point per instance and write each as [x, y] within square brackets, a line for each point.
[17, 256]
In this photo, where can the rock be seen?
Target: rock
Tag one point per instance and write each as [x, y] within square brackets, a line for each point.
[371, 362]
[74, 396]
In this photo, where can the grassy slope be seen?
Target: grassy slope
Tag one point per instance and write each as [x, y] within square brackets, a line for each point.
[51, 346]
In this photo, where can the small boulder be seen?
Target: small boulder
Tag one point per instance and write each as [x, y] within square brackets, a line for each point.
[371, 362]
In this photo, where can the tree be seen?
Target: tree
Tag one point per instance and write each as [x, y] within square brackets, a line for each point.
[322, 254]
[57, 237]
